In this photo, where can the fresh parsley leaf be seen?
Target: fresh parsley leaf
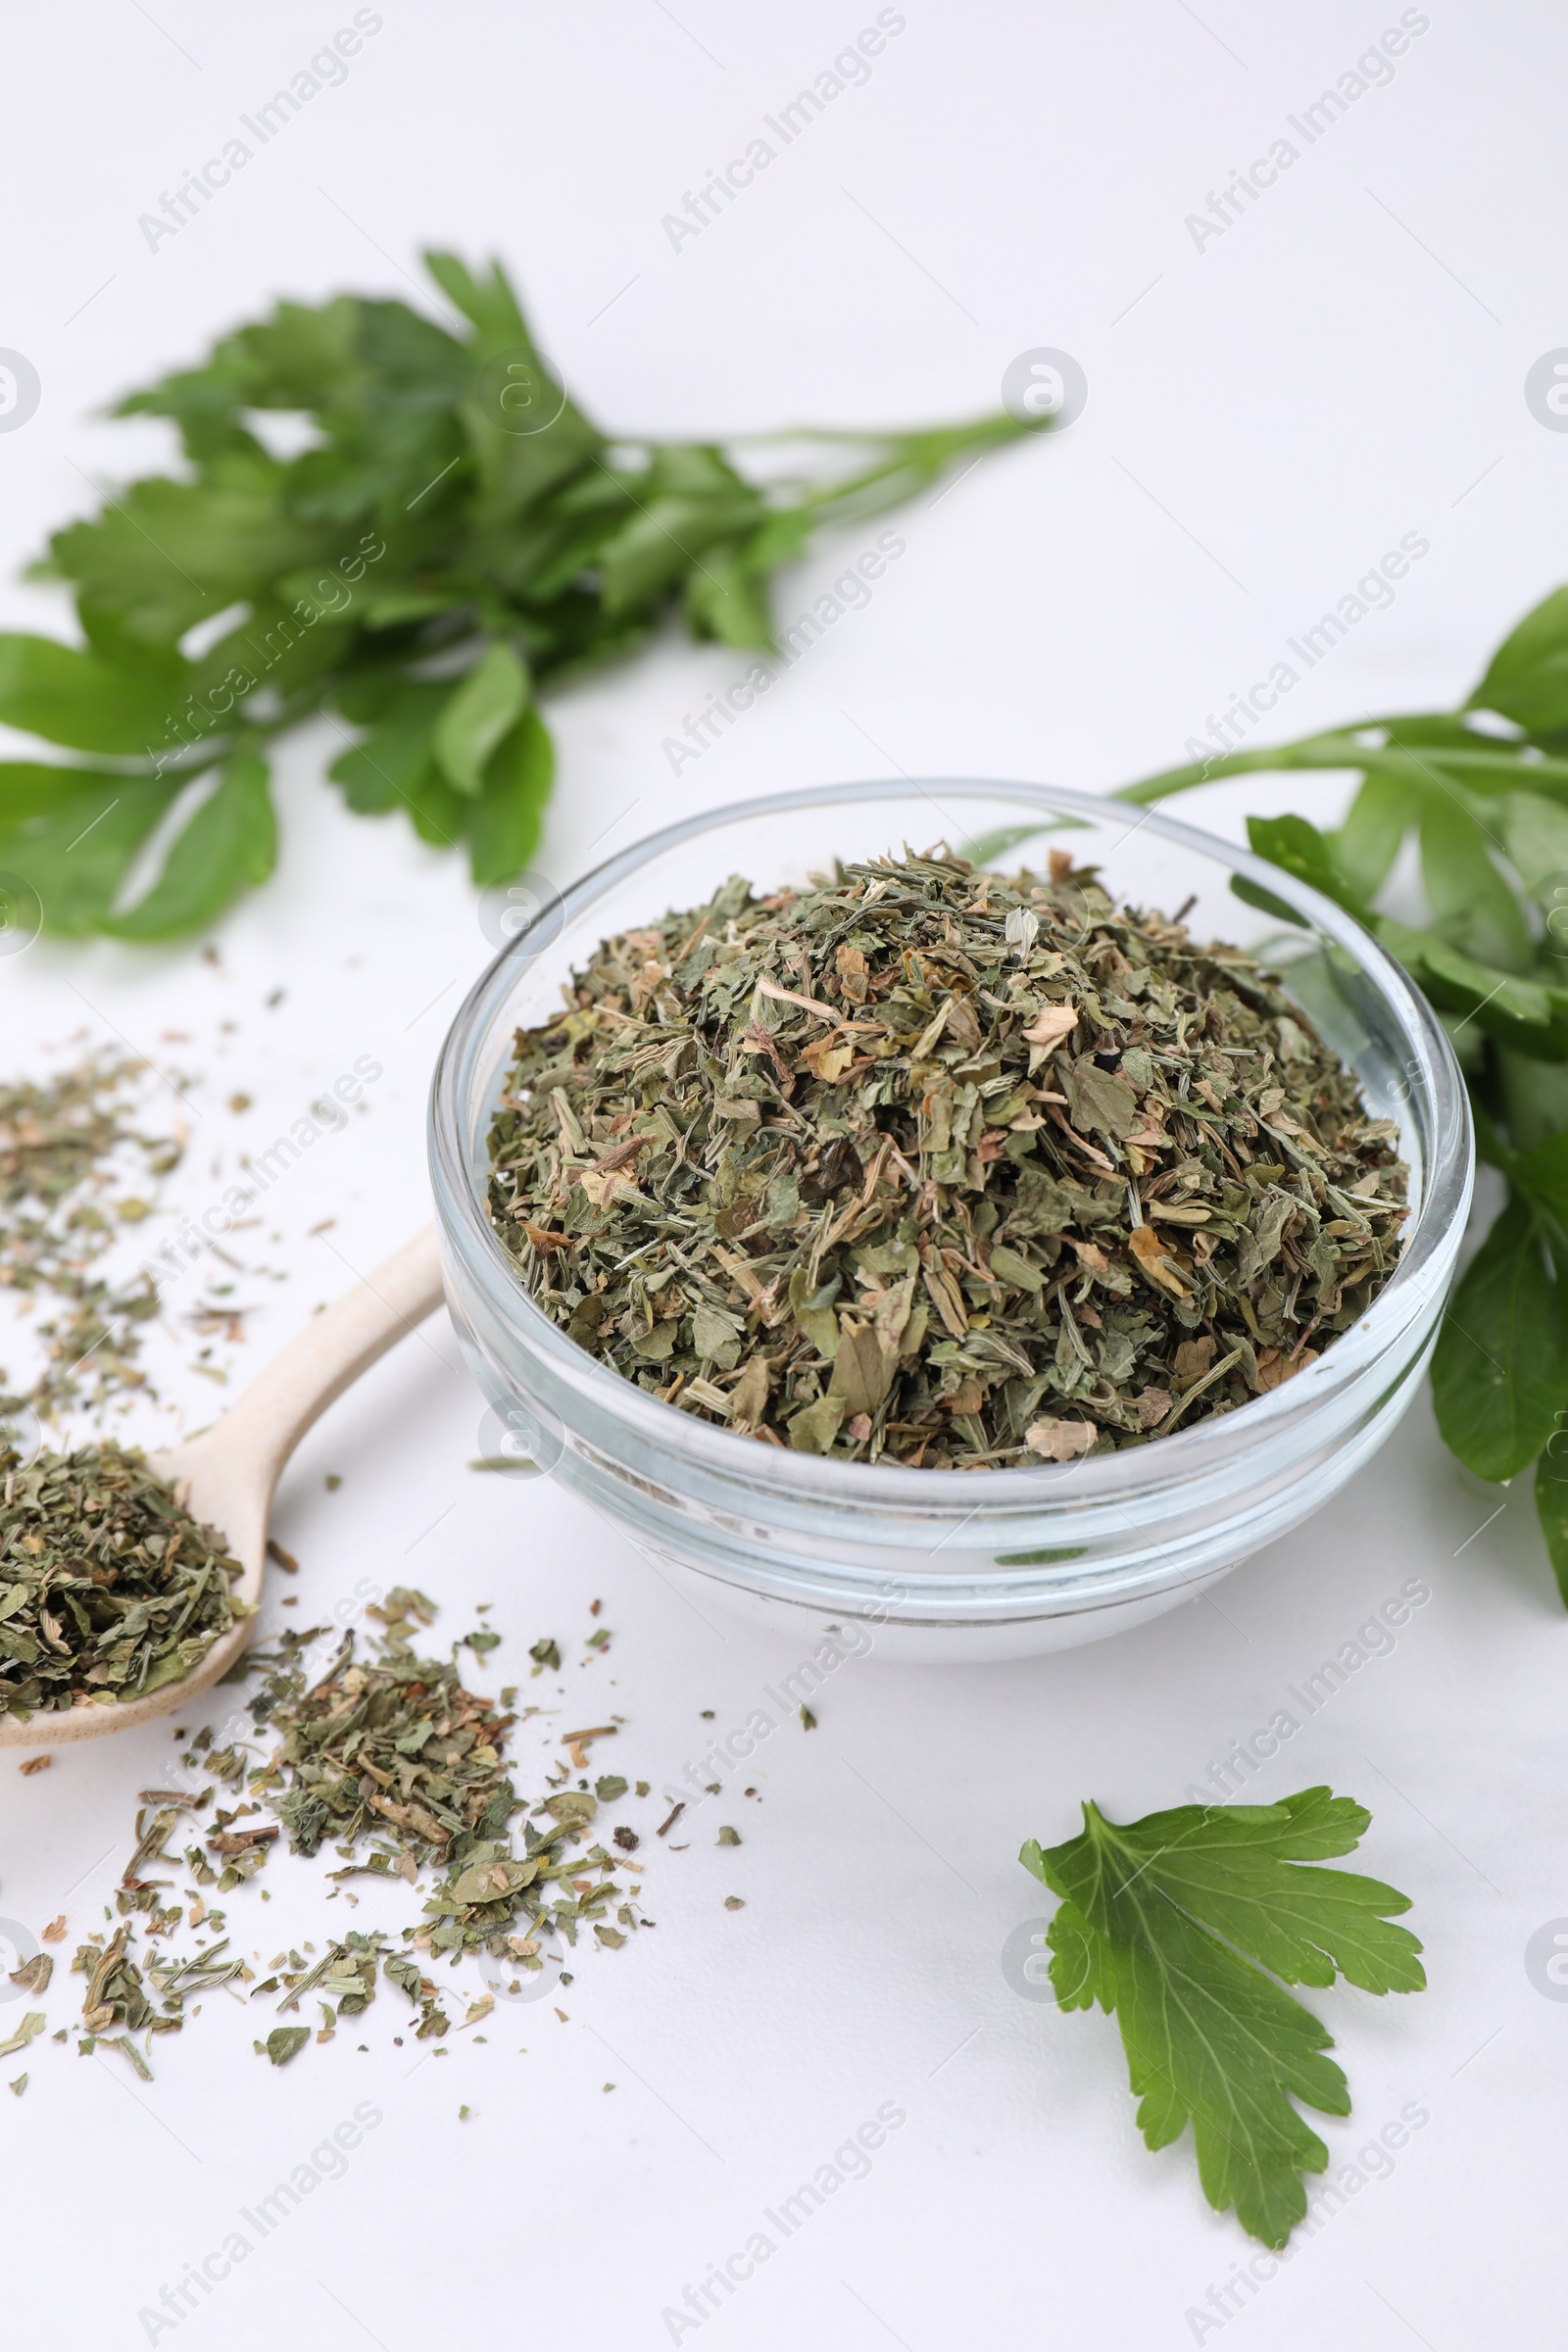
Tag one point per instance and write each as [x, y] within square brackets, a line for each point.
[479, 712]
[1472, 906]
[1499, 1372]
[228, 846]
[1187, 1926]
[1369, 840]
[504, 829]
[78, 698]
[1297, 848]
[76, 848]
[1535, 833]
[1527, 678]
[1541, 1175]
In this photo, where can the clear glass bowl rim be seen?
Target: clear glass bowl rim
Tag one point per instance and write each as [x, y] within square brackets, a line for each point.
[1140, 1469]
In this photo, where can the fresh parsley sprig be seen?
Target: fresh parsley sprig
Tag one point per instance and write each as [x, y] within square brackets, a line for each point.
[1483, 791]
[1186, 1926]
[449, 535]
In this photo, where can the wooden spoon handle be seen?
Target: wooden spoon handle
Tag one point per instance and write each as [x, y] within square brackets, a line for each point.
[260, 1432]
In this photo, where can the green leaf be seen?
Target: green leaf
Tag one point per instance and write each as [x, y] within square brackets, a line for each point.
[691, 499]
[1299, 849]
[438, 813]
[280, 648]
[1535, 833]
[1501, 1369]
[1252, 893]
[489, 303]
[78, 698]
[1552, 1507]
[482, 708]
[230, 845]
[36, 788]
[727, 604]
[159, 670]
[1491, 1149]
[1541, 1175]
[394, 766]
[514, 470]
[1181, 1924]
[1472, 905]
[781, 539]
[503, 828]
[1524, 1014]
[76, 851]
[1527, 678]
[300, 357]
[1532, 1098]
[1367, 843]
[396, 758]
[167, 554]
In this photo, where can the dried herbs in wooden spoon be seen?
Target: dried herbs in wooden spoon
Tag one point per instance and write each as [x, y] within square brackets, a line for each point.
[109, 1589]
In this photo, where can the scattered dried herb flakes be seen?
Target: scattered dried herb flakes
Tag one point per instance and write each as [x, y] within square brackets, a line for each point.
[283, 2043]
[31, 2027]
[117, 1990]
[392, 1756]
[396, 1756]
[108, 1589]
[394, 1750]
[74, 1167]
[924, 1165]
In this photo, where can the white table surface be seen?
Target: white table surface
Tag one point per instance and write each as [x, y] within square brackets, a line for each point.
[1267, 414]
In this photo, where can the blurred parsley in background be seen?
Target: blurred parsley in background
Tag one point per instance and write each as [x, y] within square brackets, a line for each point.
[451, 536]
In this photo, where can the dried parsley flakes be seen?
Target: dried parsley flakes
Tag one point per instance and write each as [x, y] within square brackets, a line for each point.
[108, 1588]
[924, 1165]
[404, 1767]
[394, 1750]
[395, 1756]
[68, 1145]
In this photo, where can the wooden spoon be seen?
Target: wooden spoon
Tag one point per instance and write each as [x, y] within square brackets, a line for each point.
[225, 1476]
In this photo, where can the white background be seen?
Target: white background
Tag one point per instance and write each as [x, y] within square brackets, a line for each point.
[1266, 416]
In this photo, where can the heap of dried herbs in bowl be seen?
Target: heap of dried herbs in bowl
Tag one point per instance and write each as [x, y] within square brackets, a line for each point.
[108, 1588]
[922, 1165]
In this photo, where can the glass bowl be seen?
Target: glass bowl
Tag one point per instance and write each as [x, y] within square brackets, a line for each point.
[952, 1564]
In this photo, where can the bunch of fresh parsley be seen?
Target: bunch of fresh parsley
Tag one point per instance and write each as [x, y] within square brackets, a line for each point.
[449, 535]
[1483, 791]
